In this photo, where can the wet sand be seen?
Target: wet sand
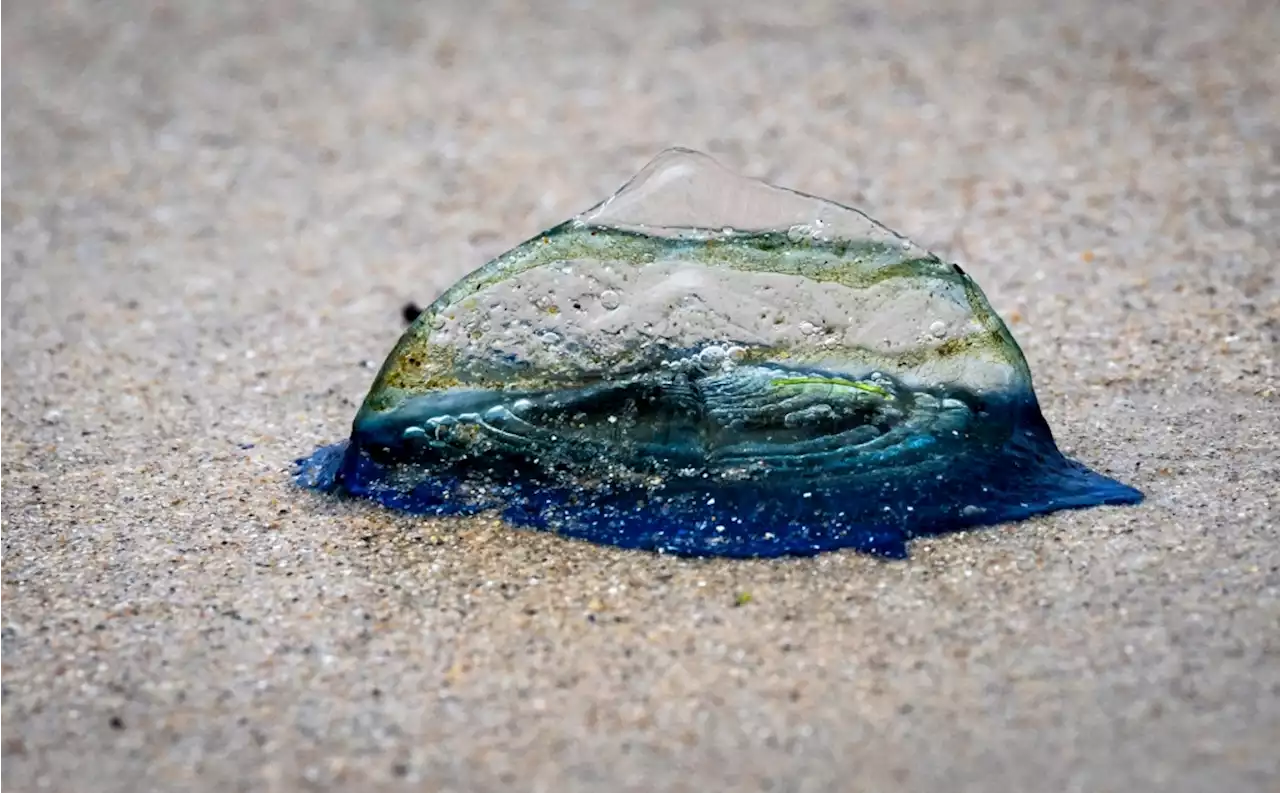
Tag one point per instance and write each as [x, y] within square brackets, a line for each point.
[214, 214]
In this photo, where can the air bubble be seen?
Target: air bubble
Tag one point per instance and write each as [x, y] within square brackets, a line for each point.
[609, 299]
[713, 356]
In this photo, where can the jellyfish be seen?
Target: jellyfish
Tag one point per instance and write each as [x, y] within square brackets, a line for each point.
[705, 364]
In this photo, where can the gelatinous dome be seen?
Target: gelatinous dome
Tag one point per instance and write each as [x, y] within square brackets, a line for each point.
[708, 364]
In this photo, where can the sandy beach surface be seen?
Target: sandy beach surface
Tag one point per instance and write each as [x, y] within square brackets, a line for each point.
[214, 213]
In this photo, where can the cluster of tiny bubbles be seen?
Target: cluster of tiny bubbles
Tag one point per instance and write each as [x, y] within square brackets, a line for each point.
[719, 356]
[807, 232]
[708, 359]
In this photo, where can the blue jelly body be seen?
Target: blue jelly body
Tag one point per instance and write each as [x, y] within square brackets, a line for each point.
[925, 485]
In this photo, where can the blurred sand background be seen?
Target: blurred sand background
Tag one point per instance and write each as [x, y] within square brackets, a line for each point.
[213, 213]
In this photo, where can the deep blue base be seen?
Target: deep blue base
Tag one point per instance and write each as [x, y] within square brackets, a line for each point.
[874, 513]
